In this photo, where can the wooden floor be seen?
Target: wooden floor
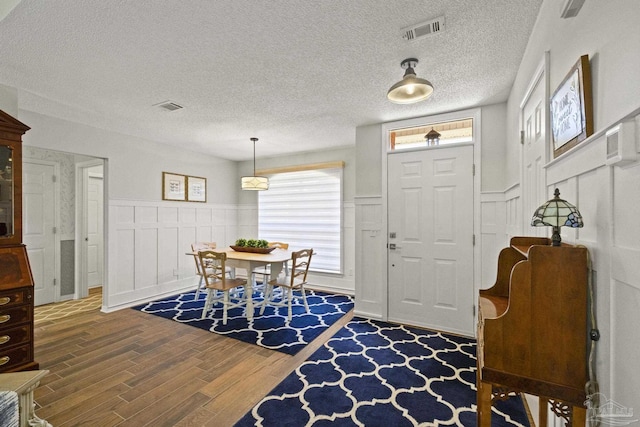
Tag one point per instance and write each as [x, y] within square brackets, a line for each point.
[128, 368]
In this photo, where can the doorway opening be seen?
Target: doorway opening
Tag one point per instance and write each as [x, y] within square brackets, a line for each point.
[62, 273]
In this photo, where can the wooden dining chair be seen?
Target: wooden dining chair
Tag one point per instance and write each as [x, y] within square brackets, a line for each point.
[265, 270]
[294, 280]
[215, 279]
[195, 248]
[200, 269]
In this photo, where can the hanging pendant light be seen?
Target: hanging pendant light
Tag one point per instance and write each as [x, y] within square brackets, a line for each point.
[255, 182]
[411, 88]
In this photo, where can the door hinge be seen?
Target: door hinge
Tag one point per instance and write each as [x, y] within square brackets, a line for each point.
[473, 169]
[473, 239]
[55, 230]
[474, 310]
[54, 178]
[55, 282]
[522, 137]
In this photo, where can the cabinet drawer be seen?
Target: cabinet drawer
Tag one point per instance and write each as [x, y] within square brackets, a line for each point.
[15, 356]
[14, 316]
[15, 336]
[13, 297]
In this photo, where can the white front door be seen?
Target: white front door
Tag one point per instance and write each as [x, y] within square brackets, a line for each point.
[94, 228]
[38, 227]
[430, 199]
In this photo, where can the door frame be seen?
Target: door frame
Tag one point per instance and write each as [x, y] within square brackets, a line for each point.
[540, 76]
[475, 114]
[82, 179]
[56, 219]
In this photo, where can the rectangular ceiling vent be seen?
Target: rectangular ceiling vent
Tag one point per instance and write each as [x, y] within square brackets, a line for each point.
[169, 105]
[423, 29]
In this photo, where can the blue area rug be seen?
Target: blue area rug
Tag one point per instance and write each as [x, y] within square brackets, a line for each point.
[378, 374]
[268, 330]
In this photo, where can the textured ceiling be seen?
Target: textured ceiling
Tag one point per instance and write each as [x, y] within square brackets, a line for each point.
[298, 74]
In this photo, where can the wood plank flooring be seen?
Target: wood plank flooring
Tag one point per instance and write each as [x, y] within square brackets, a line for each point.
[128, 368]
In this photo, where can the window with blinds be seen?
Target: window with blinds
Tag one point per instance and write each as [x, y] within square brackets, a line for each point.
[304, 209]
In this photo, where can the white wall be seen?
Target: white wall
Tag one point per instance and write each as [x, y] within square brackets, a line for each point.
[135, 165]
[606, 196]
[147, 237]
[606, 31]
[9, 100]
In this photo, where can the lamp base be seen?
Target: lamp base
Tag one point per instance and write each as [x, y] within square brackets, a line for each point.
[555, 237]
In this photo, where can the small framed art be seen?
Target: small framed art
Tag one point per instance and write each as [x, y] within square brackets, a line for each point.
[196, 189]
[571, 107]
[173, 186]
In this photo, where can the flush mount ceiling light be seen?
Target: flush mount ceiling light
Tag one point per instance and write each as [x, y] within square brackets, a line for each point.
[255, 182]
[411, 88]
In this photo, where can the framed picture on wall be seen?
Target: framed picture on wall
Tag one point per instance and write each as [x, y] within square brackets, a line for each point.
[196, 189]
[571, 107]
[173, 186]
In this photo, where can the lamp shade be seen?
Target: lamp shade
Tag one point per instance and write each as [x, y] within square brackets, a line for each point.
[411, 88]
[256, 183]
[557, 213]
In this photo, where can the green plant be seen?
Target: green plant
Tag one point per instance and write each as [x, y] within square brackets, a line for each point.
[252, 243]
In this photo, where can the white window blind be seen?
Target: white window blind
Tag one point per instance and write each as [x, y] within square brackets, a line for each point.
[304, 209]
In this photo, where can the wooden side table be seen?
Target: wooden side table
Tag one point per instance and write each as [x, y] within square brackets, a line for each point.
[24, 383]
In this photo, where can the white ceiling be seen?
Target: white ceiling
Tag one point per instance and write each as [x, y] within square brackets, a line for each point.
[298, 74]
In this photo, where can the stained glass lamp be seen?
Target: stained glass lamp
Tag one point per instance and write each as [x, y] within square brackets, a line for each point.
[557, 213]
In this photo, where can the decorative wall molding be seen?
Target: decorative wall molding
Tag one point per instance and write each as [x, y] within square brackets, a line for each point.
[148, 242]
[370, 258]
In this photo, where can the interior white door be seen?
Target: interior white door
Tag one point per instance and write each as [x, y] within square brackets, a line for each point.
[38, 219]
[430, 199]
[94, 229]
[533, 128]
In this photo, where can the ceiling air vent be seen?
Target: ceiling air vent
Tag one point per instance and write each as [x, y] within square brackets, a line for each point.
[423, 29]
[169, 105]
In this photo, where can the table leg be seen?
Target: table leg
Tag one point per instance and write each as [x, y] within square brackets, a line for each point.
[249, 293]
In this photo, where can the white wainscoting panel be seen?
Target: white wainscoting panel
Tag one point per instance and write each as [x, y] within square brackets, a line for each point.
[493, 236]
[513, 211]
[370, 258]
[148, 242]
[625, 287]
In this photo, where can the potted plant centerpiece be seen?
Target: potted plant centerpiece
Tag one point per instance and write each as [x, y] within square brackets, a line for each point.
[259, 246]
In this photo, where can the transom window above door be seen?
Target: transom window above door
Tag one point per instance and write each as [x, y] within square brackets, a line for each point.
[432, 135]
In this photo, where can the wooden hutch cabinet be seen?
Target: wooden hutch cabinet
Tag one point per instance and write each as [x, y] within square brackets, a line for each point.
[533, 331]
[16, 280]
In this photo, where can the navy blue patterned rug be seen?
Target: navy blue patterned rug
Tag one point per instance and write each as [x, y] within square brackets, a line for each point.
[378, 374]
[268, 330]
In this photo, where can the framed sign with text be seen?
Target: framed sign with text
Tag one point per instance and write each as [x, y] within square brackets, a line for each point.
[571, 107]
